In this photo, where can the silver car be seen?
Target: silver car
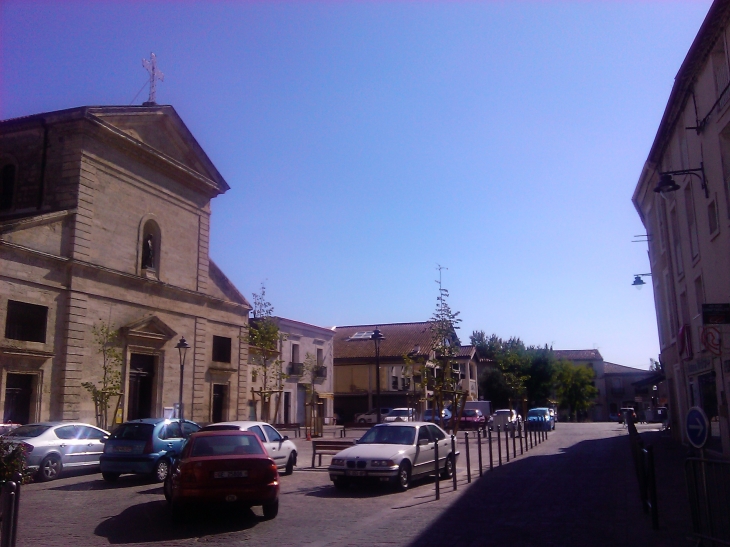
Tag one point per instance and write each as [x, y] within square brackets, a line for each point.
[394, 453]
[52, 446]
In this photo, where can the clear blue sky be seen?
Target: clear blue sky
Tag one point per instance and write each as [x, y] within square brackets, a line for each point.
[367, 142]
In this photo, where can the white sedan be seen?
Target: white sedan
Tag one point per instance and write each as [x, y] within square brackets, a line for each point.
[394, 452]
[279, 447]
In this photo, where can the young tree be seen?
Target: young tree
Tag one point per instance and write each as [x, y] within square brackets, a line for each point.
[264, 339]
[106, 341]
[445, 346]
[574, 387]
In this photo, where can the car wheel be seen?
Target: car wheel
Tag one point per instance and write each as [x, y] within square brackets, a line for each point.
[403, 480]
[361, 421]
[162, 468]
[50, 468]
[290, 463]
[110, 477]
[340, 484]
[271, 510]
[448, 471]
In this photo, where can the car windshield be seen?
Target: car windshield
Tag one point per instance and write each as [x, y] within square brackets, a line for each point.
[218, 427]
[28, 430]
[226, 445]
[535, 413]
[389, 435]
[399, 413]
[133, 432]
[469, 413]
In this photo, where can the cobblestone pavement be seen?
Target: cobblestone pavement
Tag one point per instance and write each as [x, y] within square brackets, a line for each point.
[576, 488]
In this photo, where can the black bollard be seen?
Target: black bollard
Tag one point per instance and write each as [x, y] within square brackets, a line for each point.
[514, 442]
[491, 459]
[468, 458]
[506, 442]
[438, 476]
[520, 430]
[479, 450]
[453, 456]
[499, 445]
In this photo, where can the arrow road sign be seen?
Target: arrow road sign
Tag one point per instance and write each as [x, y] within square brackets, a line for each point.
[697, 427]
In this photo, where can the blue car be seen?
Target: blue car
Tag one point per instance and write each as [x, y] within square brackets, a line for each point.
[148, 447]
[540, 419]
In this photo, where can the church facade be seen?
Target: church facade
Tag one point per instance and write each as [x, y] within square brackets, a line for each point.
[105, 221]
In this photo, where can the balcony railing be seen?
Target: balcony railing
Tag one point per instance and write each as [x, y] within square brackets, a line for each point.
[320, 372]
[296, 369]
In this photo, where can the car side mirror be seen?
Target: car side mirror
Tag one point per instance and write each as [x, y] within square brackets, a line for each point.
[422, 442]
[104, 439]
[285, 438]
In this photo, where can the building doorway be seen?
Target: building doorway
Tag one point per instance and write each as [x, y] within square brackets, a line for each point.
[18, 398]
[220, 398]
[301, 400]
[141, 386]
[287, 407]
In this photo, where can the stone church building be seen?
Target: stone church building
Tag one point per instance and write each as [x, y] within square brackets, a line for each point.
[105, 219]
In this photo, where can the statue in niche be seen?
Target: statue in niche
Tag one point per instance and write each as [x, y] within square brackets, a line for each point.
[148, 253]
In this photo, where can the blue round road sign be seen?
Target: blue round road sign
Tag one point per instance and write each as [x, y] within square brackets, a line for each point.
[697, 427]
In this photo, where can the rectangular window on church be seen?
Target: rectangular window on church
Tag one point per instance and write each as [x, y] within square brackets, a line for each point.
[26, 322]
[221, 349]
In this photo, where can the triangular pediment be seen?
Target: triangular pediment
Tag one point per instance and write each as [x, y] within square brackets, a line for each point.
[161, 129]
[149, 328]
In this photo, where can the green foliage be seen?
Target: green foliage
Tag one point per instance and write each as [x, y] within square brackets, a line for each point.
[13, 462]
[107, 343]
[523, 371]
[574, 387]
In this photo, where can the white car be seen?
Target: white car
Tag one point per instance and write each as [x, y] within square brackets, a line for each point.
[279, 447]
[506, 420]
[371, 416]
[401, 415]
[395, 453]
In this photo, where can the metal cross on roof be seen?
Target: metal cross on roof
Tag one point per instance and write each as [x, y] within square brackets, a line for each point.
[155, 74]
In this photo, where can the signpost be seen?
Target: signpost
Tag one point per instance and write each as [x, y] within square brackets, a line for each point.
[697, 427]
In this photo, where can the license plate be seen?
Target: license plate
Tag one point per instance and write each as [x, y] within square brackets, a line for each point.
[355, 473]
[122, 449]
[230, 474]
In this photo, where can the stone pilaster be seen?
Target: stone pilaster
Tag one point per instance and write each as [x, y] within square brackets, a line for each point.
[243, 392]
[200, 366]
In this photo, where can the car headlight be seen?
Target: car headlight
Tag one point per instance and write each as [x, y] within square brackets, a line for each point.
[382, 463]
[338, 461]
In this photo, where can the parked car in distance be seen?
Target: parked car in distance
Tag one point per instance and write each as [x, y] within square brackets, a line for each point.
[224, 466]
[484, 406]
[278, 446]
[624, 413]
[445, 414]
[394, 453]
[401, 415]
[504, 419]
[371, 416]
[147, 446]
[539, 419]
[52, 446]
[472, 418]
[554, 416]
[7, 428]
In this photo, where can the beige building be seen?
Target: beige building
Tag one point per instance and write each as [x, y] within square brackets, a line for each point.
[306, 353]
[105, 219]
[683, 199]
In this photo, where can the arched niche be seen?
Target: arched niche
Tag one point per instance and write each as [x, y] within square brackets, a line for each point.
[149, 245]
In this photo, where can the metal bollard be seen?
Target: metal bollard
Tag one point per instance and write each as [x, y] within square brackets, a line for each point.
[499, 444]
[491, 459]
[521, 450]
[468, 458]
[479, 450]
[514, 442]
[10, 516]
[506, 442]
[453, 455]
[438, 476]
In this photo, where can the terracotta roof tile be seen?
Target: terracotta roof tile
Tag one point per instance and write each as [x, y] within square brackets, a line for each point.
[400, 339]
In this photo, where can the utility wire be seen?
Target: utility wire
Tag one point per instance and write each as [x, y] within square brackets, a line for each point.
[138, 92]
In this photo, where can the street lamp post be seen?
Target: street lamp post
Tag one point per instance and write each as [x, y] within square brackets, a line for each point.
[182, 347]
[377, 337]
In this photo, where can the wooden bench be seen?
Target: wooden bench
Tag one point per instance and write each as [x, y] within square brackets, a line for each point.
[331, 447]
[295, 427]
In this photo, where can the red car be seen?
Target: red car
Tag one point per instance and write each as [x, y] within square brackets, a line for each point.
[472, 418]
[225, 467]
